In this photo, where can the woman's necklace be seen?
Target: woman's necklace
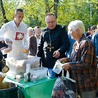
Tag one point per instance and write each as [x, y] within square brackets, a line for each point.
[50, 45]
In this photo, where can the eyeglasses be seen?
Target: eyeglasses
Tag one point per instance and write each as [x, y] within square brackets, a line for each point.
[50, 22]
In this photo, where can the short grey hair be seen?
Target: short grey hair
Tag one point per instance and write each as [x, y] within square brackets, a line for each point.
[50, 14]
[76, 24]
[30, 28]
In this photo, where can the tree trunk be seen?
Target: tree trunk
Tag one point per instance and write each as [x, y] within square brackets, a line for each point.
[47, 7]
[55, 7]
[3, 12]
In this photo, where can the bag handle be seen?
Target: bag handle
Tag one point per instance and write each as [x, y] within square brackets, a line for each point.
[67, 74]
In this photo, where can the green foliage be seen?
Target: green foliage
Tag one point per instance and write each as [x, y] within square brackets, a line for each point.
[9, 10]
[33, 14]
[68, 10]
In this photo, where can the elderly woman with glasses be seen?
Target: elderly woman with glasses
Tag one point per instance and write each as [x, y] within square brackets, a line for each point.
[82, 62]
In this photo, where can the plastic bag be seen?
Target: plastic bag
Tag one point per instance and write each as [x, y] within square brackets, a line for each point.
[57, 67]
[64, 87]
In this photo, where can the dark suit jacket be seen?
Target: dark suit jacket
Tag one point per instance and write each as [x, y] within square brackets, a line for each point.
[59, 41]
[32, 45]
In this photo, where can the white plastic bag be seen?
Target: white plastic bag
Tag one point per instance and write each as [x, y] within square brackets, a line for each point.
[57, 67]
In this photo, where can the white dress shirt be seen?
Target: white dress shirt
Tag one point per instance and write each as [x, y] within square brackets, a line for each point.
[18, 36]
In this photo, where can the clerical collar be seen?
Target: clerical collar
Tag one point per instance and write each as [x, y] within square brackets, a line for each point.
[51, 29]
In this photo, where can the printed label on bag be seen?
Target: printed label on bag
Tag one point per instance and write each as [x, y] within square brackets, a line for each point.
[57, 67]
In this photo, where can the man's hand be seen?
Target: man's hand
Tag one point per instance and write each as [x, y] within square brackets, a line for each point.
[56, 54]
[25, 50]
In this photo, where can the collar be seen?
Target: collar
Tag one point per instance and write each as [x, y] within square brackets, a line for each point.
[82, 37]
[15, 24]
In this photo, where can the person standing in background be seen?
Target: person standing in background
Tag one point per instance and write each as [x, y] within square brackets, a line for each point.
[32, 42]
[54, 43]
[16, 31]
[95, 38]
[92, 31]
[88, 32]
[37, 31]
[68, 52]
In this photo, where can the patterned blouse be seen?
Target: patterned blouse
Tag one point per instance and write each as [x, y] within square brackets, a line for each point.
[83, 65]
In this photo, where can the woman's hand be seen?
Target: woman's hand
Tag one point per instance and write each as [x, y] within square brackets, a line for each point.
[63, 60]
[66, 66]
